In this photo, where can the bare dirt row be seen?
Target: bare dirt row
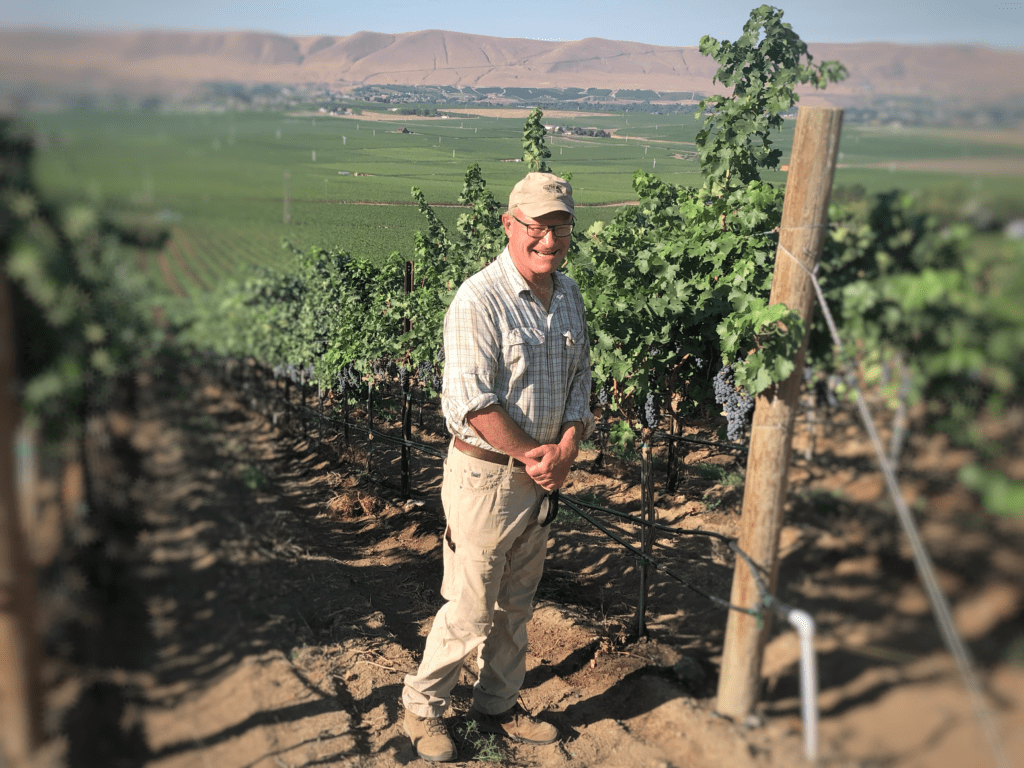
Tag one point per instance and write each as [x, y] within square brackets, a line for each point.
[273, 592]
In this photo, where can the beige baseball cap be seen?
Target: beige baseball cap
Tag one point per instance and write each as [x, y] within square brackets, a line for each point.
[541, 193]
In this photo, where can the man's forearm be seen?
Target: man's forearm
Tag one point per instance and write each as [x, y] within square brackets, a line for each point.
[570, 436]
[498, 429]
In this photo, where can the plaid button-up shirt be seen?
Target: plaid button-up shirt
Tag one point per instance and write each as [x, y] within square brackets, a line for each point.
[501, 346]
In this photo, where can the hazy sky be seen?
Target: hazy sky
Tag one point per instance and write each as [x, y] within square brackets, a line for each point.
[661, 22]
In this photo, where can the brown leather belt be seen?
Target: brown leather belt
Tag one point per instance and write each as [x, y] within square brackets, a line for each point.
[483, 454]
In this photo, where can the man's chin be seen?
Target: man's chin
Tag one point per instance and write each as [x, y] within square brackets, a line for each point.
[549, 265]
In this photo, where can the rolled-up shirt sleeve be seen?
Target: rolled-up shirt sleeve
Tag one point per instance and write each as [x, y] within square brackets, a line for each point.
[472, 350]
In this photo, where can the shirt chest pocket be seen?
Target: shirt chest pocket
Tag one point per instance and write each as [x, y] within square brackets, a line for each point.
[574, 344]
[524, 349]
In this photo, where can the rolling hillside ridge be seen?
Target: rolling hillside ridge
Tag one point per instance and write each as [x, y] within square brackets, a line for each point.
[161, 62]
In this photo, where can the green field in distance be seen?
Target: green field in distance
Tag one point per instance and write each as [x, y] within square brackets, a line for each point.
[218, 181]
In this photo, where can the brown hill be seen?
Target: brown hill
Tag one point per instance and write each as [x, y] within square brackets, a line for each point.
[163, 61]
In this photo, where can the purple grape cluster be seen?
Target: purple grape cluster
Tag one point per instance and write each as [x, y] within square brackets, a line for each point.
[348, 379]
[737, 403]
[602, 396]
[438, 382]
[649, 418]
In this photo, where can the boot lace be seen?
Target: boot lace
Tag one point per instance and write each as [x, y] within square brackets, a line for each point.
[435, 725]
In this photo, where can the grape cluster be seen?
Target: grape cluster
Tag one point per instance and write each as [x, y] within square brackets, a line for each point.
[830, 385]
[380, 369]
[737, 403]
[822, 386]
[649, 418]
[438, 368]
[348, 379]
[602, 396]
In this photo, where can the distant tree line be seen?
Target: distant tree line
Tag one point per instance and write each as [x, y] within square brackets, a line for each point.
[577, 131]
[424, 112]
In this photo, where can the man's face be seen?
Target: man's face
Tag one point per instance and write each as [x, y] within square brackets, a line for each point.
[536, 256]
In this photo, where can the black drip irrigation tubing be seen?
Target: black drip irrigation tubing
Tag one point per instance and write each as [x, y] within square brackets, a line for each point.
[685, 439]
[374, 432]
[698, 441]
[767, 600]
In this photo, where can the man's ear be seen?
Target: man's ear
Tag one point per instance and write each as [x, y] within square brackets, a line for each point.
[506, 223]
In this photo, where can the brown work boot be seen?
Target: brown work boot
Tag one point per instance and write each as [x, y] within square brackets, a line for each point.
[430, 738]
[516, 724]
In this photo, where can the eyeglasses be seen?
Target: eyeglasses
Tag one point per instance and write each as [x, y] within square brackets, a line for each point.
[540, 231]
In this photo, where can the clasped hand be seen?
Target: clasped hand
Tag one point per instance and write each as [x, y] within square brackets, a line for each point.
[548, 465]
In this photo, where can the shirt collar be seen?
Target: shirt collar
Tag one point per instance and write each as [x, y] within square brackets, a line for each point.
[517, 281]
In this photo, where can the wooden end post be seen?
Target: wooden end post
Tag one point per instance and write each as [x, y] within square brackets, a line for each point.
[802, 233]
[21, 702]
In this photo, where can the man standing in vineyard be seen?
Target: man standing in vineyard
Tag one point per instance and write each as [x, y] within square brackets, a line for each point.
[516, 399]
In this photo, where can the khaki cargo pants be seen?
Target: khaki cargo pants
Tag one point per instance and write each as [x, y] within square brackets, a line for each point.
[494, 553]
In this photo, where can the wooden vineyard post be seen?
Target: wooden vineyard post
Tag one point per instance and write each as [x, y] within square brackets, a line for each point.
[801, 235]
[647, 531]
[602, 442]
[302, 404]
[369, 421]
[345, 411]
[407, 397]
[21, 706]
[320, 413]
[672, 469]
